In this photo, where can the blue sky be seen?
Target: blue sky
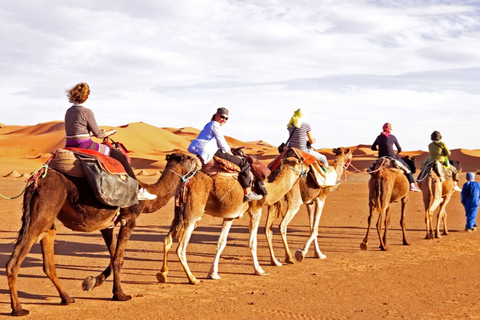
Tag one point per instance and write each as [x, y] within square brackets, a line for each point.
[349, 65]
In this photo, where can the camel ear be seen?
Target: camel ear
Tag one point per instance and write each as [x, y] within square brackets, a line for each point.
[335, 150]
[347, 150]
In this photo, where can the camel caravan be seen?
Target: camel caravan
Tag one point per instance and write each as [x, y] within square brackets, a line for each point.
[87, 191]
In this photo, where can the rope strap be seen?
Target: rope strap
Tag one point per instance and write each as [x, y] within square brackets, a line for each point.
[32, 179]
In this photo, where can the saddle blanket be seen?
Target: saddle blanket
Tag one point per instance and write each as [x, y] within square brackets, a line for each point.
[323, 177]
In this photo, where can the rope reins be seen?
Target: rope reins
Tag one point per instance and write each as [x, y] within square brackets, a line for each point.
[32, 179]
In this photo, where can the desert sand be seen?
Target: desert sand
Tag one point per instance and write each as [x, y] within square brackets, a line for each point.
[428, 279]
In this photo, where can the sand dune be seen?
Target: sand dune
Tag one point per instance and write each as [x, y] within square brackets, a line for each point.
[25, 148]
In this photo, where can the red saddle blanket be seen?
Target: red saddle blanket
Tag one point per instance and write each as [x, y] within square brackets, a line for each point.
[107, 163]
[307, 158]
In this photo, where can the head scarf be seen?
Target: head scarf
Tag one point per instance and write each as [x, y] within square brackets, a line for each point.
[470, 176]
[387, 128]
[296, 119]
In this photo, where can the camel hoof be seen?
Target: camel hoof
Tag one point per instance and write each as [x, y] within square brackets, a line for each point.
[289, 260]
[89, 283]
[405, 243]
[262, 273]
[320, 256]
[276, 263]
[20, 313]
[384, 248]
[299, 255]
[121, 297]
[194, 282]
[363, 246]
[162, 277]
[214, 276]
[68, 300]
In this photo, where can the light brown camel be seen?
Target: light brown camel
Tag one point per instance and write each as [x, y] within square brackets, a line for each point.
[435, 193]
[57, 200]
[386, 186]
[223, 197]
[305, 192]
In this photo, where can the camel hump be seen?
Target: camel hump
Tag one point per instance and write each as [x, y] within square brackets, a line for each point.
[221, 166]
[390, 163]
[69, 161]
[444, 173]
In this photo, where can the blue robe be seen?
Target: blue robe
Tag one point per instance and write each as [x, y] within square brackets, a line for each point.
[470, 198]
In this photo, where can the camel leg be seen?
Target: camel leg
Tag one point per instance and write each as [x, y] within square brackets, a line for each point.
[167, 245]
[49, 265]
[92, 282]
[442, 217]
[315, 215]
[269, 234]
[319, 211]
[254, 222]
[117, 261]
[364, 243]
[292, 210]
[383, 247]
[402, 221]
[22, 248]
[387, 223]
[182, 250]
[222, 242]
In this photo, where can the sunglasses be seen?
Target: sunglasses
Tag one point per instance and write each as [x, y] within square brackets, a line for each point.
[224, 117]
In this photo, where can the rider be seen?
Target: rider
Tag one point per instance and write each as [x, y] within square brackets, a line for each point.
[210, 142]
[438, 151]
[384, 144]
[80, 125]
[301, 135]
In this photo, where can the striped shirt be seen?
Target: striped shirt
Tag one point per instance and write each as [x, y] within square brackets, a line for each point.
[79, 122]
[299, 137]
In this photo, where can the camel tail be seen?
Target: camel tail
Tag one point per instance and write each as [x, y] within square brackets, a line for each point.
[277, 209]
[177, 227]
[27, 199]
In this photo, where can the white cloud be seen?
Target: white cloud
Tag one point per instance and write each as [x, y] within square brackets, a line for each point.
[352, 65]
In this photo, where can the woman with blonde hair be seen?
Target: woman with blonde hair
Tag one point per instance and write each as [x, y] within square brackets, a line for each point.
[301, 135]
[80, 125]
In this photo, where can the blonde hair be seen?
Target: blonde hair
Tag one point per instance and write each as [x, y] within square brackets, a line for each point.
[79, 93]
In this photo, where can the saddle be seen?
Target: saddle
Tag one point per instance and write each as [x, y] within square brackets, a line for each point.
[389, 163]
[222, 167]
[444, 173]
[106, 176]
[321, 175]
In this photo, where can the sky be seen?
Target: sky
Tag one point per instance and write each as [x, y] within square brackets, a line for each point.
[349, 65]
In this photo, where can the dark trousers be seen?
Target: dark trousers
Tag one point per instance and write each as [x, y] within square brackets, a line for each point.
[409, 175]
[245, 175]
[117, 155]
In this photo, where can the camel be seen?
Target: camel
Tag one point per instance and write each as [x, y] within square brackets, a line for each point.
[305, 192]
[386, 186]
[223, 197]
[58, 199]
[435, 193]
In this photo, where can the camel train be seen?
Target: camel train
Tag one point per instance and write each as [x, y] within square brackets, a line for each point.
[58, 199]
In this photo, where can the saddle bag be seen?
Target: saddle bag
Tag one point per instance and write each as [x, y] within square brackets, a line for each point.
[117, 190]
[259, 170]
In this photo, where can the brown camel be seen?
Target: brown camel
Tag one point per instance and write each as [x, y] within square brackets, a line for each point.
[435, 193]
[223, 197]
[305, 192]
[387, 185]
[57, 200]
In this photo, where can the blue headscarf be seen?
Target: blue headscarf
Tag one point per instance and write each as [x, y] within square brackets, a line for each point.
[470, 176]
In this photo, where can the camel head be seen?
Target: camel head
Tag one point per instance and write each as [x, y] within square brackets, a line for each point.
[342, 155]
[183, 164]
